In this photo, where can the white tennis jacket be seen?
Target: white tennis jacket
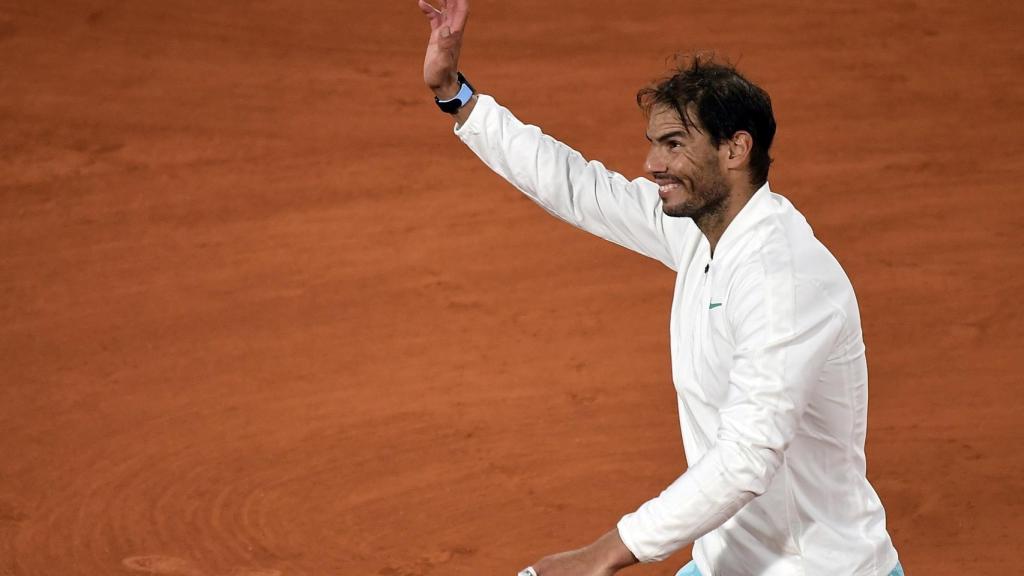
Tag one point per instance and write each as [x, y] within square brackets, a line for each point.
[768, 364]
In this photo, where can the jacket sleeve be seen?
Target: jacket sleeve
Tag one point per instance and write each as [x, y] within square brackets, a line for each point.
[784, 332]
[558, 178]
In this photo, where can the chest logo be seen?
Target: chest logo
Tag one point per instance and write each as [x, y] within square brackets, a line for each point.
[714, 305]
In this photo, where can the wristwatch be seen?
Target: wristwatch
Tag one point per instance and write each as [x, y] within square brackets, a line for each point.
[453, 105]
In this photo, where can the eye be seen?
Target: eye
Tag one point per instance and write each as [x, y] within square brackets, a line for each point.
[673, 144]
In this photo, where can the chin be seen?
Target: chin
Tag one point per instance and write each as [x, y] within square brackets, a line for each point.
[677, 210]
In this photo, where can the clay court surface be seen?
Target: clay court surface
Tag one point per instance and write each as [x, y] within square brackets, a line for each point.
[263, 314]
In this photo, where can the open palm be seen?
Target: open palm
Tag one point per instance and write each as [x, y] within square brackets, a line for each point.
[441, 64]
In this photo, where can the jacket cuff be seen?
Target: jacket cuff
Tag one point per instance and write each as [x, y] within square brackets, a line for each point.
[474, 125]
[629, 529]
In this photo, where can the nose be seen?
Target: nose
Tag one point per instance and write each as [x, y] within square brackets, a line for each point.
[655, 162]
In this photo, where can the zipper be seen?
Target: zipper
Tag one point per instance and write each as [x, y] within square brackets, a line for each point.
[702, 321]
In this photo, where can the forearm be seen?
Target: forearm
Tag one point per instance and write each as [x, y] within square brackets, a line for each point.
[612, 551]
[606, 556]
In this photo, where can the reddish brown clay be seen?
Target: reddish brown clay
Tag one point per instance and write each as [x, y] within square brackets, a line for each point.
[263, 314]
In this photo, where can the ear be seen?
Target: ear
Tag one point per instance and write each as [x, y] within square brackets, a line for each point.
[738, 150]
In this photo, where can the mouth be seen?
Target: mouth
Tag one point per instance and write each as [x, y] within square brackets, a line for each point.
[666, 188]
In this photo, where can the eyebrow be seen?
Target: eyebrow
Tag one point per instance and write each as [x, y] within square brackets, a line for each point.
[668, 136]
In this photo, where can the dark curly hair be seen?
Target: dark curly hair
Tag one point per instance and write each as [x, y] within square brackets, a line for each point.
[724, 101]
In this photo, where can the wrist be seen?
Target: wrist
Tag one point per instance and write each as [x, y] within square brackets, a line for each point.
[460, 100]
[611, 552]
[448, 89]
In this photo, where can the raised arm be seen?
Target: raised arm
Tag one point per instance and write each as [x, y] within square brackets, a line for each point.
[583, 193]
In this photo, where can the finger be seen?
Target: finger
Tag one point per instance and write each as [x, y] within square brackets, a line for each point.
[428, 8]
[457, 13]
[433, 14]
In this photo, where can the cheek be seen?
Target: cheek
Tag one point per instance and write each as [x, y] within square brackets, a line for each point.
[706, 168]
[682, 164]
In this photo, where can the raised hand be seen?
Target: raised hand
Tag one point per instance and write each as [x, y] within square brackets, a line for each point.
[441, 64]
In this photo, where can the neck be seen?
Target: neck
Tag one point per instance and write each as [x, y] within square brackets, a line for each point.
[714, 222]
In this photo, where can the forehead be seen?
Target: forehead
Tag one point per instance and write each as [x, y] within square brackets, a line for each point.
[664, 119]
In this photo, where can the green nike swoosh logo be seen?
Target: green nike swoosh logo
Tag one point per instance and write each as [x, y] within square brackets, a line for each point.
[714, 305]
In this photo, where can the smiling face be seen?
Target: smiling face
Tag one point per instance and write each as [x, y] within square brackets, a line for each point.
[686, 166]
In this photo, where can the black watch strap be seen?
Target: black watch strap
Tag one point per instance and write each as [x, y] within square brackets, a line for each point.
[453, 105]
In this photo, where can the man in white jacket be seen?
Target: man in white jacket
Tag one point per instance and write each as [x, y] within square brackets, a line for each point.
[767, 351]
